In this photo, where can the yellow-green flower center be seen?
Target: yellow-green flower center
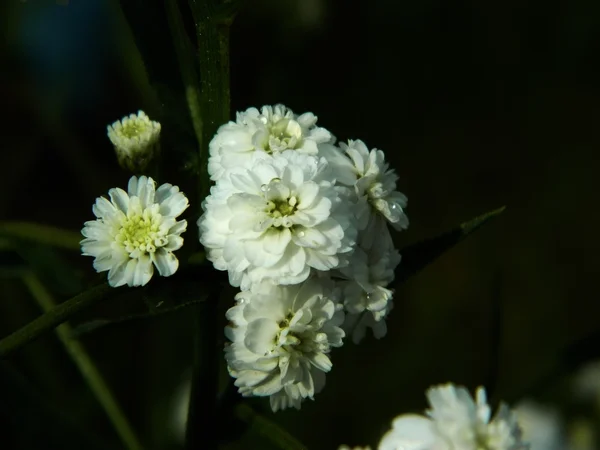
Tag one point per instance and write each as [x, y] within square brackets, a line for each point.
[142, 232]
[284, 134]
[133, 129]
[282, 208]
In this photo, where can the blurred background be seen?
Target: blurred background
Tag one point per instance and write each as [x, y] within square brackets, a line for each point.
[476, 104]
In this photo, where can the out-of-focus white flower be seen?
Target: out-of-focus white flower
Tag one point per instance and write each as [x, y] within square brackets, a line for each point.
[280, 340]
[366, 297]
[542, 426]
[374, 184]
[255, 134]
[586, 382]
[277, 220]
[136, 140]
[356, 325]
[455, 422]
[345, 447]
[135, 230]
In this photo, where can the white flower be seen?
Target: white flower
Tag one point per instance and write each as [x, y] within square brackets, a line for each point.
[278, 219]
[356, 325]
[374, 184]
[134, 230]
[281, 337]
[455, 422]
[255, 134]
[542, 426]
[136, 140]
[366, 297]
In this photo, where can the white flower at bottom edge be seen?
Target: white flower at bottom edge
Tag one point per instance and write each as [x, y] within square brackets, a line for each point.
[345, 447]
[280, 340]
[135, 230]
[542, 425]
[455, 422]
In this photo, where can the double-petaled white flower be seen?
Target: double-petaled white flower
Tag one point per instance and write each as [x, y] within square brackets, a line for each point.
[135, 230]
[455, 422]
[136, 140]
[278, 219]
[373, 182]
[255, 134]
[367, 299]
[280, 340]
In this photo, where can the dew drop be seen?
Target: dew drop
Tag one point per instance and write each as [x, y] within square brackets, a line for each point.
[264, 188]
[301, 234]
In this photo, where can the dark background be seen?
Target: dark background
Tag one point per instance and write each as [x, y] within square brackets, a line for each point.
[476, 104]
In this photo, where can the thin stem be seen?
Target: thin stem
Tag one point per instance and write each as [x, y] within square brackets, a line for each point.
[268, 429]
[202, 420]
[86, 366]
[212, 32]
[42, 234]
[185, 57]
[52, 318]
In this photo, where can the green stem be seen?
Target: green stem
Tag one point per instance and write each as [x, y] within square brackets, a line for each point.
[185, 57]
[53, 318]
[268, 429]
[86, 366]
[132, 60]
[212, 32]
[42, 234]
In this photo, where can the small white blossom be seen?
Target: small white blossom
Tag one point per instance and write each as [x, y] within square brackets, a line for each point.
[366, 296]
[135, 230]
[136, 140]
[278, 219]
[255, 134]
[374, 184]
[280, 340]
[455, 422]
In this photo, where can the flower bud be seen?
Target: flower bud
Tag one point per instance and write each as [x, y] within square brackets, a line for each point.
[136, 141]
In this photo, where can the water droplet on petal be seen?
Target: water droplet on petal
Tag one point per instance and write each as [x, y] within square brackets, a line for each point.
[264, 187]
[301, 234]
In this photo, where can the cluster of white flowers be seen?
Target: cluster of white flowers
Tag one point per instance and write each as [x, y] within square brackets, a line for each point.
[455, 421]
[301, 226]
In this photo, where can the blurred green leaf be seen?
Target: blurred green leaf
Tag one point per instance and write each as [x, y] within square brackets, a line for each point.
[94, 325]
[417, 256]
[51, 267]
[54, 317]
[41, 234]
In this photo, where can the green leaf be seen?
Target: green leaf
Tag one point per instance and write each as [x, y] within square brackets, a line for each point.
[94, 325]
[54, 317]
[51, 267]
[41, 234]
[417, 256]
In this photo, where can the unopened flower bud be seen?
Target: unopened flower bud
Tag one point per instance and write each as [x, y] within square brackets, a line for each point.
[136, 141]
